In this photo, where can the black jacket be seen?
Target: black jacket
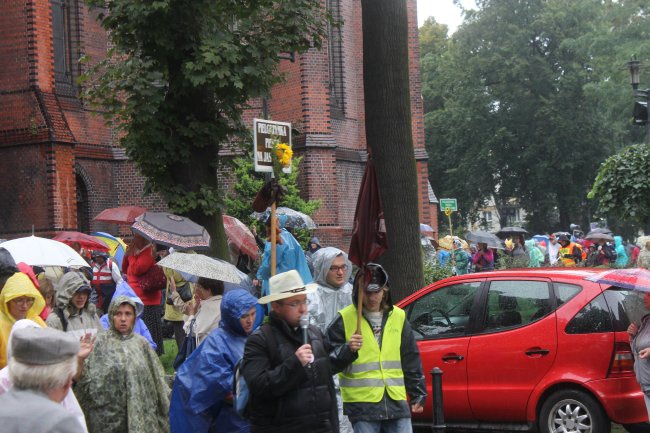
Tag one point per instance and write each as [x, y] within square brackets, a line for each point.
[414, 380]
[285, 396]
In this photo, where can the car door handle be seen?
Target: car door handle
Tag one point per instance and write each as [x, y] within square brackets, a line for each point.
[537, 352]
[453, 357]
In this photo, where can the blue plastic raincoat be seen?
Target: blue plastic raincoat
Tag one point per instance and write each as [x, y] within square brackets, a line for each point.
[289, 255]
[123, 289]
[204, 381]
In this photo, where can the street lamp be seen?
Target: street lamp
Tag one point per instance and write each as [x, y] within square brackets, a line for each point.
[641, 111]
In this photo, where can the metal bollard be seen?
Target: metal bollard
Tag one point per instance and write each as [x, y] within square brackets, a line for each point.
[438, 425]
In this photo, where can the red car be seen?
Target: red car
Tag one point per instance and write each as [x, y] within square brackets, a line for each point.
[529, 349]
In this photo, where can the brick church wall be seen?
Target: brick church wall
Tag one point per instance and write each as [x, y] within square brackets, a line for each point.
[50, 140]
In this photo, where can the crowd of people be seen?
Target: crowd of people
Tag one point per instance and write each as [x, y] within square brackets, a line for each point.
[84, 347]
[560, 249]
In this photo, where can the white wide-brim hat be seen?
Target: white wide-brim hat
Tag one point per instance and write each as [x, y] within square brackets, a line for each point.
[286, 285]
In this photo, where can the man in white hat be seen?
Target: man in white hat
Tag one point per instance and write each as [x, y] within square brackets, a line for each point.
[42, 366]
[287, 365]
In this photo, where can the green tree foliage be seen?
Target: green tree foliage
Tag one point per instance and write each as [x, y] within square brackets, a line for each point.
[526, 100]
[622, 186]
[178, 78]
[248, 183]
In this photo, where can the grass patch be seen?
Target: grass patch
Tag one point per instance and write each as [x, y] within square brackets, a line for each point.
[170, 354]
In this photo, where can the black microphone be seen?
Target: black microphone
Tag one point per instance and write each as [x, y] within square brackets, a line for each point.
[304, 324]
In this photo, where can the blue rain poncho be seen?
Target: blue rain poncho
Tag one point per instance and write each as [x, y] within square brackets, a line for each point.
[289, 255]
[204, 381]
[123, 289]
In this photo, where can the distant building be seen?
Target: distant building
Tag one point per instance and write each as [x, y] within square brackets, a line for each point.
[490, 216]
[62, 165]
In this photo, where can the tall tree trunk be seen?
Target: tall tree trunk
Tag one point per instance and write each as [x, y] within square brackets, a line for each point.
[389, 136]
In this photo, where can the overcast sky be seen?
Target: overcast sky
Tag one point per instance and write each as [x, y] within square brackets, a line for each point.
[444, 12]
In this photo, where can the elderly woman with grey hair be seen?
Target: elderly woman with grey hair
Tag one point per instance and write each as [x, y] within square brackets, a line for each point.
[42, 368]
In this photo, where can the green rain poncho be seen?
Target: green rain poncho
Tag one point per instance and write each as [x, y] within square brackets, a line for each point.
[122, 387]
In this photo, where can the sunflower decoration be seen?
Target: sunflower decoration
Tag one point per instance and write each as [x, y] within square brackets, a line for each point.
[282, 154]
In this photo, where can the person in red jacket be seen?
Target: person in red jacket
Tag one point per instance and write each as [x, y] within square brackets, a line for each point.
[138, 259]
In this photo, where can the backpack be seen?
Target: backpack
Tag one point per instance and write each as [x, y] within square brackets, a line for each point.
[240, 391]
[64, 322]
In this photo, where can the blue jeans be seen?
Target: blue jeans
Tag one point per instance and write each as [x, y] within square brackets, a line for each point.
[399, 425]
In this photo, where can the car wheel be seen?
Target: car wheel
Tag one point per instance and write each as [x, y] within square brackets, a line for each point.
[573, 411]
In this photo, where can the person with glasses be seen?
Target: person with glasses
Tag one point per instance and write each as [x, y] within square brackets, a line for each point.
[19, 299]
[386, 367]
[332, 271]
[290, 379]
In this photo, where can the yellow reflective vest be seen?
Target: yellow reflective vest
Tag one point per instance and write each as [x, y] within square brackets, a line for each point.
[568, 250]
[376, 369]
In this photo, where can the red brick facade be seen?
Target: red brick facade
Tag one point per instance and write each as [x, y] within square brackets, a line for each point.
[62, 164]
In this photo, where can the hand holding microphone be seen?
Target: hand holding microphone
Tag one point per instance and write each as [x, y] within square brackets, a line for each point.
[304, 326]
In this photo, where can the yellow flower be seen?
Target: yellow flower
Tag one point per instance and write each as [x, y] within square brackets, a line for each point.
[284, 154]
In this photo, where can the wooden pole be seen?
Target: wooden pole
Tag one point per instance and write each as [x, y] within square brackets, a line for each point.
[274, 239]
[360, 299]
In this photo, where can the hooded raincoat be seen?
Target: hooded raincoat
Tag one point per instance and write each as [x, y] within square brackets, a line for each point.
[289, 255]
[328, 299]
[122, 386]
[79, 321]
[16, 286]
[204, 381]
[621, 255]
[123, 289]
[536, 255]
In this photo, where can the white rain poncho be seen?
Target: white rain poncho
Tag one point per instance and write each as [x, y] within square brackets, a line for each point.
[328, 299]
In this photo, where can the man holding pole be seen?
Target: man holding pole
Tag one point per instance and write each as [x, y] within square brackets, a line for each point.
[387, 366]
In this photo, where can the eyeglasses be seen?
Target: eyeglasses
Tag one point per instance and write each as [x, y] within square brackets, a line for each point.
[295, 304]
[338, 268]
[23, 301]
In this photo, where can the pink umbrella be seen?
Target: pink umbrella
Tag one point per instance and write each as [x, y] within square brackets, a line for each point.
[240, 236]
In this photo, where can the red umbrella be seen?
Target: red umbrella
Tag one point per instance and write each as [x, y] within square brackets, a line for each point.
[240, 236]
[86, 241]
[369, 233]
[120, 215]
[633, 278]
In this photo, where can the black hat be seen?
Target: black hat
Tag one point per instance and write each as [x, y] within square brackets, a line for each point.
[378, 277]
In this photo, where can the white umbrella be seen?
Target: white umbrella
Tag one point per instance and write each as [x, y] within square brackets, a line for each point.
[36, 251]
[202, 266]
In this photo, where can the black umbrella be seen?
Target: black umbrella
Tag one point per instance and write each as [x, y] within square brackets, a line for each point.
[600, 231]
[172, 230]
[599, 237]
[481, 237]
[508, 231]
